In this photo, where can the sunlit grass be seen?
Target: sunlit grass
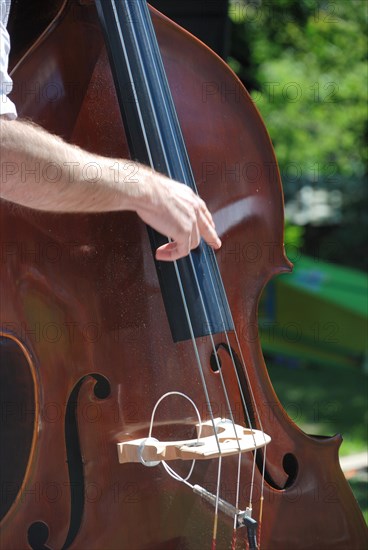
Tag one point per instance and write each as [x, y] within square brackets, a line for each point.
[325, 400]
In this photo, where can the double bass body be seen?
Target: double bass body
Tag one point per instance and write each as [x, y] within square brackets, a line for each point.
[86, 341]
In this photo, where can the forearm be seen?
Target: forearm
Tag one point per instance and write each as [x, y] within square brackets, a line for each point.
[42, 171]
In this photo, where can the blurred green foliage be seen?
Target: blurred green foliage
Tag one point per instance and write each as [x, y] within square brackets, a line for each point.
[305, 64]
[294, 234]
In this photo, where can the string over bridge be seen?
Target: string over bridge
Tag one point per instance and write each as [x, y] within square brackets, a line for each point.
[230, 439]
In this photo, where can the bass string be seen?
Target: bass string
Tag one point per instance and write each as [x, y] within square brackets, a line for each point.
[245, 370]
[245, 406]
[142, 6]
[144, 18]
[144, 12]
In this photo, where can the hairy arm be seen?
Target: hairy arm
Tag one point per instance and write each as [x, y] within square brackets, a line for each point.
[41, 171]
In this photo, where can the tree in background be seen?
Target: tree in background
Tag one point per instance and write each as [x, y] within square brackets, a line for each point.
[304, 63]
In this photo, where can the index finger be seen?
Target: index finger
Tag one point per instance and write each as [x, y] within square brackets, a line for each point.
[207, 229]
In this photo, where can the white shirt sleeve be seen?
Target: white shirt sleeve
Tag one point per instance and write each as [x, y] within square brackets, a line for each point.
[7, 107]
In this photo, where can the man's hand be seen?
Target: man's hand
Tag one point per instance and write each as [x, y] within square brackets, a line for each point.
[175, 211]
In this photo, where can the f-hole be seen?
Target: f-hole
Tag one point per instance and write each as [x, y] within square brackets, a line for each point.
[38, 532]
[74, 454]
[289, 461]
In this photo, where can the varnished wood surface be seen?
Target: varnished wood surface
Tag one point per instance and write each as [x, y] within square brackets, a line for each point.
[80, 292]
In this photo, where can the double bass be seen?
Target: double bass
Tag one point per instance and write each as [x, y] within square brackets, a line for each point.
[137, 408]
